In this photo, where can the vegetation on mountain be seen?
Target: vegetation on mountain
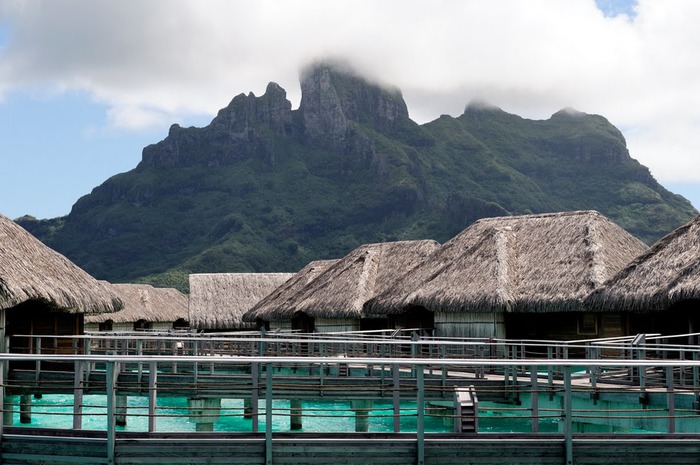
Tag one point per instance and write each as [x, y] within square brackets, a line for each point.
[265, 188]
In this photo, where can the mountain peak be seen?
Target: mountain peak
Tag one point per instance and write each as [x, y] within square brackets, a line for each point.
[333, 95]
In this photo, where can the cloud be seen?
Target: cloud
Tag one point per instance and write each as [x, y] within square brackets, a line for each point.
[156, 61]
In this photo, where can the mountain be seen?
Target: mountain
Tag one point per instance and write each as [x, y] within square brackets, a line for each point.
[267, 188]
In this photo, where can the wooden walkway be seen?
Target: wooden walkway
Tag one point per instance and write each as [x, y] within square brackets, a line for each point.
[21, 446]
[554, 388]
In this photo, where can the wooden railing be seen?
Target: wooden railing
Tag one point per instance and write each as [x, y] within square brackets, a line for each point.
[568, 392]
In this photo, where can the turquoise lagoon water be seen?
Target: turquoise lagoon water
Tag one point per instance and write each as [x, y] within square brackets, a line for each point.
[56, 411]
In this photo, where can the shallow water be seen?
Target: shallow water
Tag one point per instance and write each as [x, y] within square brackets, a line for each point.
[56, 411]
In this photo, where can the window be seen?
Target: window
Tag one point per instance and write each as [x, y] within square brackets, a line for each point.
[587, 324]
[106, 325]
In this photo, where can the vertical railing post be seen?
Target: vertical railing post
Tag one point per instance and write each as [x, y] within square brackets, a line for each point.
[568, 421]
[2, 395]
[37, 351]
[670, 400]
[255, 374]
[268, 413]
[89, 366]
[593, 369]
[534, 399]
[443, 371]
[195, 365]
[111, 367]
[695, 375]
[420, 421]
[78, 395]
[152, 395]
[396, 396]
[139, 352]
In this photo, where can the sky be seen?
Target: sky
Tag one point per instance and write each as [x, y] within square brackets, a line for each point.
[85, 85]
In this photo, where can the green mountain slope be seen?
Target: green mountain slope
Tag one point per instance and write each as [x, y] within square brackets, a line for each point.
[266, 188]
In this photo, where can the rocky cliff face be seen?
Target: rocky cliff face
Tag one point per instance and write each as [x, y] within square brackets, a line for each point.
[332, 98]
[333, 103]
[234, 134]
[267, 188]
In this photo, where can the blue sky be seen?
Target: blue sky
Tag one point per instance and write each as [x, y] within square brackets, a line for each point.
[86, 84]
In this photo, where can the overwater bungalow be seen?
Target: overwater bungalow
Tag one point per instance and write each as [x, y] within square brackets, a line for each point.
[219, 300]
[146, 308]
[659, 290]
[516, 277]
[44, 293]
[272, 313]
[334, 299]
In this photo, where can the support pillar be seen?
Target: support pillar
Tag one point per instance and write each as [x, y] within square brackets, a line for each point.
[204, 412]
[247, 408]
[120, 411]
[361, 409]
[25, 409]
[7, 410]
[295, 422]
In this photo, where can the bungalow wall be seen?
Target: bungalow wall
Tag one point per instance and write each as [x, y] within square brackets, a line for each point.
[681, 318]
[129, 326]
[566, 326]
[34, 319]
[470, 325]
[285, 325]
[330, 325]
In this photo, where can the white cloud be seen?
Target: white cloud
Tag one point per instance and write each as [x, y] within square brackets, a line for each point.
[153, 61]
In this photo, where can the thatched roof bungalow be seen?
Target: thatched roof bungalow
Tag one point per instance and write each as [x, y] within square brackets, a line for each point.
[219, 300]
[271, 312]
[519, 276]
[333, 300]
[42, 292]
[145, 308]
[659, 289]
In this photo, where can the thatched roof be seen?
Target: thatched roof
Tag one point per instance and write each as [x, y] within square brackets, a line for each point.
[145, 302]
[280, 296]
[531, 263]
[219, 300]
[342, 289]
[667, 273]
[31, 271]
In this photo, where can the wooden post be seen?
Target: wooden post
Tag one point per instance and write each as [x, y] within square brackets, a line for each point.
[120, 410]
[195, 365]
[152, 395]
[78, 395]
[111, 401]
[534, 399]
[90, 365]
[361, 409]
[139, 351]
[247, 408]
[25, 408]
[295, 415]
[420, 420]
[8, 413]
[37, 350]
[670, 400]
[396, 397]
[2, 387]
[204, 412]
[696, 389]
[568, 421]
[255, 374]
[268, 413]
